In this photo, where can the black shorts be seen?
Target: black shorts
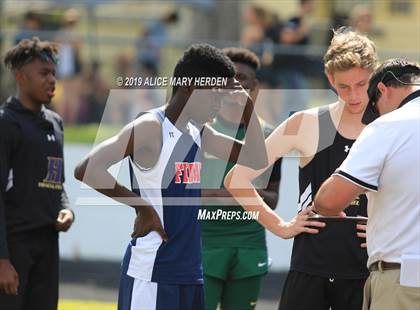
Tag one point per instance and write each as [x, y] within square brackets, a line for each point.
[303, 291]
[36, 260]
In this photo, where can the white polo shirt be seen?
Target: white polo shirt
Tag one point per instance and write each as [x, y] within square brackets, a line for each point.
[385, 160]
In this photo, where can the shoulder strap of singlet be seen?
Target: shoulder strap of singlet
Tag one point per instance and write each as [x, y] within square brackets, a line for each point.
[160, 115]
[158, 112]
[327, 130]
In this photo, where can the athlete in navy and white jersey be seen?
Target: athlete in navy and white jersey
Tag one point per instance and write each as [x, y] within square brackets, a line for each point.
[172, 187]
[162, 266]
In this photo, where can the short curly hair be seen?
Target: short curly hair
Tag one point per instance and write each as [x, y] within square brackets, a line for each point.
[243, 56]
[350, 49]
[29, 49]
[203, 60]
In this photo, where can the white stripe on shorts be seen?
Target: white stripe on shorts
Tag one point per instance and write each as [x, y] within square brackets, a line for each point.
[144, 295]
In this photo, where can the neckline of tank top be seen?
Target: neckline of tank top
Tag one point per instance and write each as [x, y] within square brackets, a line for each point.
[228, 124]
[187, 127]
[336, 129]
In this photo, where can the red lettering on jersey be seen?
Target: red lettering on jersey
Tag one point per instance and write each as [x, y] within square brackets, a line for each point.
[187, 171]
[179, 167]
[195, 173]
[191, 172]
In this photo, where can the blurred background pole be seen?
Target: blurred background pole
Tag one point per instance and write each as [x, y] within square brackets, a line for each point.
[227, 12]
[216, 20]
[2, 90]
[92, 32]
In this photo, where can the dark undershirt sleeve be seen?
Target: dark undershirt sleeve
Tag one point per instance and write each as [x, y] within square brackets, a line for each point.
[9, 139]
[276, 172]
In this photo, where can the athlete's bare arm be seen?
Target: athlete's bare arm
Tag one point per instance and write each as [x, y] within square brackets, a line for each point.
[327, 202]
[133, 140]
[298, 133]
[250, 152]
[270, 194]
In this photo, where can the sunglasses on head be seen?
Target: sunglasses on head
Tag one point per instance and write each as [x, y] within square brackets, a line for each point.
[44, 56]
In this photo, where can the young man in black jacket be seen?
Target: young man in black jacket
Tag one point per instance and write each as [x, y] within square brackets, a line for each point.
[33, 203]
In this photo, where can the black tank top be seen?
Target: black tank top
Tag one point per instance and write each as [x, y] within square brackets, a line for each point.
[335, 251]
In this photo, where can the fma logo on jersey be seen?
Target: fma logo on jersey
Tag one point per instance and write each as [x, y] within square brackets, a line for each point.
[187, 173]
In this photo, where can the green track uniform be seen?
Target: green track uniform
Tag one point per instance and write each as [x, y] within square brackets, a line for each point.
[234, 251]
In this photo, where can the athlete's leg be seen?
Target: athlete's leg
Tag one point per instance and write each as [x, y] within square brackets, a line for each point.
[241, 294]
[126, 283]
[42, 287]
[21, 259]
[346, 294]
[217, 263]
[175, 297]
[145, 296]
[213, 288]
[191, 297]
[302, 291]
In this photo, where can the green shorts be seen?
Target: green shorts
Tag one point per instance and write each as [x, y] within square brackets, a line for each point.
[233, 277]
[234, 263]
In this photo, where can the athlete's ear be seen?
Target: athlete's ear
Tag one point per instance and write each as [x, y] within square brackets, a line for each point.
[382, 88]
[331, 79]
[255, 89]
[254, 84]
[19, 76]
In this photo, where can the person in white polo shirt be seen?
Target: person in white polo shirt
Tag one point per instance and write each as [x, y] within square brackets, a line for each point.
[385, 162]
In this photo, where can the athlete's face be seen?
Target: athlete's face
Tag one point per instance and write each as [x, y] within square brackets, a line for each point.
[37, 80]
[245, 75]
[351, 86]
[204, 103]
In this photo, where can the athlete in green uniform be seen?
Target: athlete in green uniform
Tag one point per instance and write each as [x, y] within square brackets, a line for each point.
[234, 250]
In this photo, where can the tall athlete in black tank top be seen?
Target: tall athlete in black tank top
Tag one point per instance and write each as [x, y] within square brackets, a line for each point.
[348, 259]
[328, 263]
[329, 266]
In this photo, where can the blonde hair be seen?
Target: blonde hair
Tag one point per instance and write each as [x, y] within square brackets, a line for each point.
[350, 49]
